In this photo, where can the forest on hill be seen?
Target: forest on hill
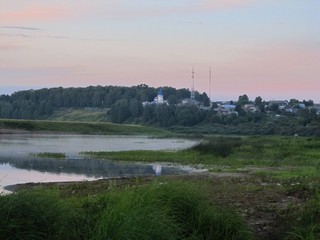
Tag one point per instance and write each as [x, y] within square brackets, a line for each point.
[135, 105]
[40, 104]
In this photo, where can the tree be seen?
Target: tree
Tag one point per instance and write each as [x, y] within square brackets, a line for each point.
[165, 115]
[243, 100]
[136, 108]
[240, 110]
[258, 100]
[148, 113]
[308, 103]
[120, 111]
[172, 99]
[293, 102]
[205, 99]
[274, 107]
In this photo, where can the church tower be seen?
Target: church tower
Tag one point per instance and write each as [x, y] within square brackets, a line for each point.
[160, 96]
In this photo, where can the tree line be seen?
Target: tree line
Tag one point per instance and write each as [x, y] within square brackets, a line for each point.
[40, 104]
[125, 105]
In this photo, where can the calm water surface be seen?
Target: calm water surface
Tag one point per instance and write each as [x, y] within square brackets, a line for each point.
[16, 165]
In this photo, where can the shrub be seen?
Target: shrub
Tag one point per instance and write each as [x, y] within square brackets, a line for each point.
[221, 146]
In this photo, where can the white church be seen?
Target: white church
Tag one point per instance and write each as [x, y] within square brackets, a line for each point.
[157, 100]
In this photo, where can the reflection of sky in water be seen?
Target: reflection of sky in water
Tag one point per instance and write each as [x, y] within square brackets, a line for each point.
[21, 144]
[17, 167]
[22, 170]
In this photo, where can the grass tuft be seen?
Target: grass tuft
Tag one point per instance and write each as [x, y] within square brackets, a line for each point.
[173, 210]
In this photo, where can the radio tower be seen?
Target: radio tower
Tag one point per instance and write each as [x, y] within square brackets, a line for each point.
[210, 83]
[192, 90]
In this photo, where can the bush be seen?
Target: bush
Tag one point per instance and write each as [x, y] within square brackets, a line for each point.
[221, 146]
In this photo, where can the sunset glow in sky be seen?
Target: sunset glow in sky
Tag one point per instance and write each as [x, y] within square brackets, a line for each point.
[267, 48]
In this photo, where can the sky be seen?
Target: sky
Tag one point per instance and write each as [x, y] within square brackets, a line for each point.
[267, 48]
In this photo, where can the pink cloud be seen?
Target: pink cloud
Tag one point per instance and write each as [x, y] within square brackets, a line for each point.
[39, 13]
[7, 47]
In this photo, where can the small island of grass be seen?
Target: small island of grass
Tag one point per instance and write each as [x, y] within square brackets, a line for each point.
[49, 155]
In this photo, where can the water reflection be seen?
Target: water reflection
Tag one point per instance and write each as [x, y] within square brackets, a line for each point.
[71, 145]
[157, 169]
[89, 167]
[46, 170]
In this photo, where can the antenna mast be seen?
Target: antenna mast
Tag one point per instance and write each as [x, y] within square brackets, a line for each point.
[192, 90]
[210, 83]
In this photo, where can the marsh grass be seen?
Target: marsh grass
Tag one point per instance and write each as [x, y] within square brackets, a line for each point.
[173, 210]
[307, 227]
[35, 215]
[49, 155]
[294, 156]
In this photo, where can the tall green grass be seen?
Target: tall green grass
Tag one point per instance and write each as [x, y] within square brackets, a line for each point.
[307, 224]
[56, 155]
[157, 211]
[36, 215]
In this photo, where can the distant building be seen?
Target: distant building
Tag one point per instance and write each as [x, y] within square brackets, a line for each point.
[226, 109]
[157, 100]
[281, 103]
[316, 107]
[190, 102]
[250, 108]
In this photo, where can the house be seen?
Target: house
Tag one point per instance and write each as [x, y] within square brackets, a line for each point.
[317, 108]
[281, 103]
[189, 102]
[226, 109]
[250, 108]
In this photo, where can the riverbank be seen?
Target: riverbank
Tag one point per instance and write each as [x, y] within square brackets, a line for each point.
[271, 208]
[63, 127]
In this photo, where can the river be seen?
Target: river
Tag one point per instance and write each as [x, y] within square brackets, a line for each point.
[17, 166]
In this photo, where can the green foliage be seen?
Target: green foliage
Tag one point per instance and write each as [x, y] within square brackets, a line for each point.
[36, 215]
[49, 155]
[308, 225]
[157, 211]
[120, 111]
[244, 99]
[221, 146]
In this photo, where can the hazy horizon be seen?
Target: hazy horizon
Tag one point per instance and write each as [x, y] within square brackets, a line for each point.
[259, 48]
